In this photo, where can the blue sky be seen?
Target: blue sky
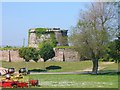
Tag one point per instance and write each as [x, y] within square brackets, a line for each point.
[18, 18]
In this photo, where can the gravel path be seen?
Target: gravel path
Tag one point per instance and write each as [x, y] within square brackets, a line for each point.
[86, 72]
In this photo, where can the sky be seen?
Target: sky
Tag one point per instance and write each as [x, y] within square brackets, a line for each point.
[19, 17]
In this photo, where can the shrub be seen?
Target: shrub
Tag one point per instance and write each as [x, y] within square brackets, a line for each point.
[111, 59]
[29, 53]
[46, 51]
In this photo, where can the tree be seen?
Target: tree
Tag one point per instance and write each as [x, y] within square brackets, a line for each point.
[114, 49]
[117, 48]
[46, 52]
[93, 30]
[35, 55]
[29, 53]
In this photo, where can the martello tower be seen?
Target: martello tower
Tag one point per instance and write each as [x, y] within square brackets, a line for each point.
[38, 35]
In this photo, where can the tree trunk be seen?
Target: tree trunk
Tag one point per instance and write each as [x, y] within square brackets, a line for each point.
[95, 66]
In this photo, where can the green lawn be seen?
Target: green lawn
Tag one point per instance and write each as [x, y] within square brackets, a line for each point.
[108, 80]
[59, 66]
[77, 81]
[65, 66]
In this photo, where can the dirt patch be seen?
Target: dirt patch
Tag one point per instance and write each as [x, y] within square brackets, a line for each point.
[108, 63]
[90, 69]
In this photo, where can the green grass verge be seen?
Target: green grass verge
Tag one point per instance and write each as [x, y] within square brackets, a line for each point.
[77, 81]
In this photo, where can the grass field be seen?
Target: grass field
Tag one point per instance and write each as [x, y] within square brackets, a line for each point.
[74, 81]
[77, 81]
[64, 66]
[107, 80]
[59, 66]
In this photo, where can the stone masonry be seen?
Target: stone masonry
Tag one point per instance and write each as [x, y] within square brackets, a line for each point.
[60, 55]
[34, 40]
[10, 55]
[66, 55]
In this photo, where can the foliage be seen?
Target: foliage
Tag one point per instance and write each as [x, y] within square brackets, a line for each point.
[91, 34]
[35, 55]
[41, 44]
[63, 47]
[9, 48]
[29, 53]
[114, 49]
[53, 40]
[40, 31]
[108, 59]
[47, 52]
[117, 42]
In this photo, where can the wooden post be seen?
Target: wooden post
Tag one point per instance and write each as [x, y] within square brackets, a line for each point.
[9, 56]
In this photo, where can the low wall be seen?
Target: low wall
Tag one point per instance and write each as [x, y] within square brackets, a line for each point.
[10, 55]
[60, 55]
[66, 55]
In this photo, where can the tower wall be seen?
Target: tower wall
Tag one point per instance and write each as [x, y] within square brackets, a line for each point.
[60, 35]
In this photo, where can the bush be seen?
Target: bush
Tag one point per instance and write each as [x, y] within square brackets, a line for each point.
[46, 51]
[29, 53]
[111, 59]
[103, 59]
[113, 50]
[40, 31]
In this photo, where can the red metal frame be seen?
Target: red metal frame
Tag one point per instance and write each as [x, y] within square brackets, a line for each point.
[7, 84]
[22, 85]
[33, 82]
[10, 84]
